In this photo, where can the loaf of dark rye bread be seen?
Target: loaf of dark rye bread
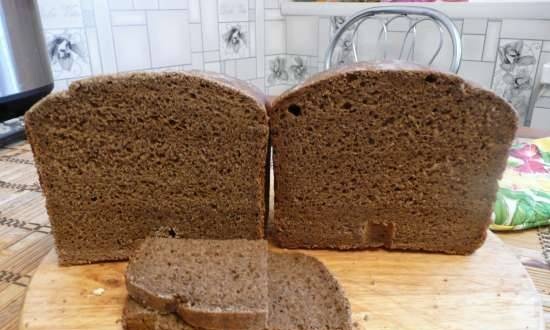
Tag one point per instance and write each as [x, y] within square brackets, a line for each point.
[212, 284]
[122, 157]
[387, 154]
[303, 295]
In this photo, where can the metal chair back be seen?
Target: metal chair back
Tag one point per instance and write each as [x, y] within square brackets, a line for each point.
[389, 14]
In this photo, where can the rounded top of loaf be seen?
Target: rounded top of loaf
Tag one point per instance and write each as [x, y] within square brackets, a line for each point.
[154, 80]
[391, 66]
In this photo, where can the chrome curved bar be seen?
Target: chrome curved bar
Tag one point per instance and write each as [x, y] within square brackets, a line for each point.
[441, 20]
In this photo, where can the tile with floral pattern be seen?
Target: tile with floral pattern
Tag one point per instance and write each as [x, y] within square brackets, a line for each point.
[68, 53]
[235, 40]
[515, 72]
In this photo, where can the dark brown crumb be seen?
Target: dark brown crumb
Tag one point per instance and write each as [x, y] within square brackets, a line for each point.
[387, 155]
[120, 157]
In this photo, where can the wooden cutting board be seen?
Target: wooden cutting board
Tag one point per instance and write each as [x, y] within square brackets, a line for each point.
[387, 290]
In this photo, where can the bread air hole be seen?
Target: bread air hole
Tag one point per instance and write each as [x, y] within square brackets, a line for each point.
[346, 106]
[295, 110]
[172, 232]
[431, 78]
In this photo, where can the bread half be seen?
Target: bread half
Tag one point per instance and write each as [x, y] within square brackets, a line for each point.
[387, 155]
[121, 157]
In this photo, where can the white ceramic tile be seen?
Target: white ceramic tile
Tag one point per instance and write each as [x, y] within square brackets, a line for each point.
[132, 47]
[169, 37]
[260, 38]
[302, 35]
[478, 72]
[93, 51]
[271, 4]
[513, 79]
[60, 14]
[197, 61]
[121, 4]
[173, 4]
[104, 34]
[459, 24]
[128, 17]
[277, 70]
[230, 68]
[525, 29]
[146, 4]
[195, 33]
[259, 83]
[426, 46]
[252, 38]
[546, 46]
[300, 67]
[210, 29]
[246, 68]
[188, 67]
[368, 47]
[166, 69]
[194, 11]
[252, 4]
[273, 14]
[251, 15]
[472, 47]
[544, 58]
[543, 102]
[274, 37]
[277, 90]
[211, 56]
[400, 24]
[235, 40]
[88, 18]
[324, 36]
[60, 85]
[474, 26]
[212, 67]
[491, 41]
[541, 118]
[68, 62]
[233, 10]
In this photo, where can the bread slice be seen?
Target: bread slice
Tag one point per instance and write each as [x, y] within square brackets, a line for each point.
[212, 284]
[387, 155]
[303, 295]
[121, 157]
[137, 317]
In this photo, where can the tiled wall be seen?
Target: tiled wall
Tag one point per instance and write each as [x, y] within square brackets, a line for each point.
[251, 40]
[91, 37]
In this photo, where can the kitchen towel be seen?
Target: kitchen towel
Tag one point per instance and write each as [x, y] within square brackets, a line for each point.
[523, 198]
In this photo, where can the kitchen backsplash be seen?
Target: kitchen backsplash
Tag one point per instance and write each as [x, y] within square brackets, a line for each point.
[251, 40]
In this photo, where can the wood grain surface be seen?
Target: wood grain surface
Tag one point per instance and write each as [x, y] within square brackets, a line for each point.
[25, 237]
[387, 290]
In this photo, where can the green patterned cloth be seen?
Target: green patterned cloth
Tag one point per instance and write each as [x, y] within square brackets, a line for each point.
[523, 198]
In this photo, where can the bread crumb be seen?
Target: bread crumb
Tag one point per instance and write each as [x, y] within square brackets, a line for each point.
[98, 291]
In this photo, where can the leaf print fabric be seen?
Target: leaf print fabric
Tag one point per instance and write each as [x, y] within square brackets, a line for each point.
[523, 198]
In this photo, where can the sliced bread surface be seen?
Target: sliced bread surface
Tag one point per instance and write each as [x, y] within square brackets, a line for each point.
[303, 295]
[387, 155]
[137, 317]
[212, 284]
[120, 157]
